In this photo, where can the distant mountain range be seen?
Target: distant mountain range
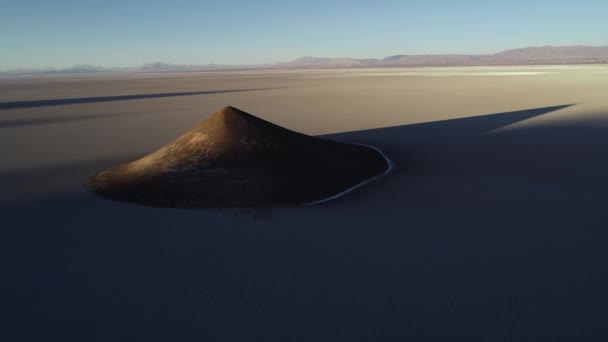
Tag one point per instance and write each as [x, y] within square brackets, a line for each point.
[525, 56]
[150, 67]
[578, 54]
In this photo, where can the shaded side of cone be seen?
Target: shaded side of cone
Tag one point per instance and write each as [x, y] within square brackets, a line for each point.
[233, 158]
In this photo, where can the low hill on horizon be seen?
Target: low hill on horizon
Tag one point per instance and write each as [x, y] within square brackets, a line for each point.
[542, 55]
[579, 54]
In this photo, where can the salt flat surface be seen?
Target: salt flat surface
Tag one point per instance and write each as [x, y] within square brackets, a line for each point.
[491, 225]
[436, 74]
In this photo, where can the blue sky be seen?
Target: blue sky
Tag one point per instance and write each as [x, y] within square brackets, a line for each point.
[60, 33]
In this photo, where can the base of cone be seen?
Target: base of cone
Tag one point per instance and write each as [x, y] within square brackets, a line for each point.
[389, 169]
[234, 159]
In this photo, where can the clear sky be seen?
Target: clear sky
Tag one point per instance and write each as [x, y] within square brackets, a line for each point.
[61, 33]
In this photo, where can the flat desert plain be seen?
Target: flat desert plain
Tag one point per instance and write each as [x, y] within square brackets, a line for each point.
[493, 225]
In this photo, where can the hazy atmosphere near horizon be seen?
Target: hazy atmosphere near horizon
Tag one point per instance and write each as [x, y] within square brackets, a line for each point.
[303, 171]
[112, 33]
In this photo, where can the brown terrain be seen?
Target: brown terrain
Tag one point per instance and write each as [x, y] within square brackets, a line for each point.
[234, 159]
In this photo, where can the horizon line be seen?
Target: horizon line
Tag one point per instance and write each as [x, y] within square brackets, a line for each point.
[270, 64]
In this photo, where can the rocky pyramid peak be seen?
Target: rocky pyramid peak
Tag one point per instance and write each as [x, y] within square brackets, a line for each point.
[233, 158]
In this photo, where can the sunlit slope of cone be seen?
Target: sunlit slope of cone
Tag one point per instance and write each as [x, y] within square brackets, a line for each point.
[233, 158]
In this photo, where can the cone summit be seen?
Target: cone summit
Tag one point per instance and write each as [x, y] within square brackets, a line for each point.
[234, 159]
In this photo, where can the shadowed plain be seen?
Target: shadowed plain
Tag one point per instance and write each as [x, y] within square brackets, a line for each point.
[61, 102]
[475, 236]
[490, 228]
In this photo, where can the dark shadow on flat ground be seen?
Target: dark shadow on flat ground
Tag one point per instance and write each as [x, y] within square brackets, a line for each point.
[60, 119]
[81, 100]
[477, 237]
[438, 132]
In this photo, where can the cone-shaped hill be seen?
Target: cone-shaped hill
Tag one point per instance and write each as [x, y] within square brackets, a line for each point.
[234, 159]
